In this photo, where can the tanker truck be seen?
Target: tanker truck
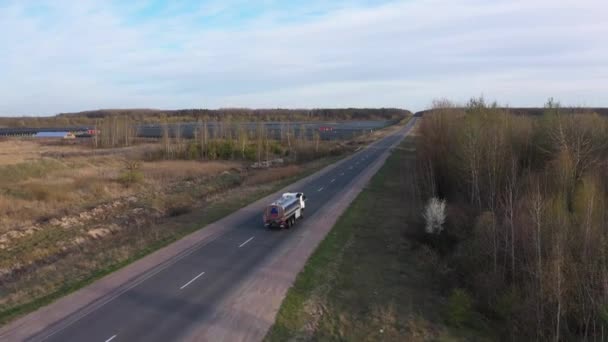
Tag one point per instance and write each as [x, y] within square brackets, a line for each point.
[284, 212]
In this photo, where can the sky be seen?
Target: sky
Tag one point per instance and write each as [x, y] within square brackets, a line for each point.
[64, 55]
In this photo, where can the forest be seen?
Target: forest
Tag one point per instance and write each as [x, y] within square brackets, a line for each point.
[524, 239]
[142, 116]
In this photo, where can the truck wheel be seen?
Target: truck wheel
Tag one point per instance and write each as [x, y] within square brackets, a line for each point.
[293, 221]
[302, 214]
[288, 224]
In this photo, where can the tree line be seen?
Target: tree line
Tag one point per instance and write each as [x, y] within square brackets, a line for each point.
[228, 140]
[143, 116]
[525, 232]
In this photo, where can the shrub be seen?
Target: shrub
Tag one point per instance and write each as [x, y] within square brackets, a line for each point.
[459, 308]
[506, 304]
[193, 151]
[225, 149]
[178, 210]
[277, 149]
[131, 174]
[130, 178]
[228, 180]
[250, 153]
[434, 215]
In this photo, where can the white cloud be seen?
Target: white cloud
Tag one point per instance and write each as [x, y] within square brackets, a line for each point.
[85, 55]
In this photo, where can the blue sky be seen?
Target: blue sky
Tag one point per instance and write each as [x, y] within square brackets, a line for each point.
[61, 56]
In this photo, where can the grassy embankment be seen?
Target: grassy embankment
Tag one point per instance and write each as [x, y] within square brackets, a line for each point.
[370, 279]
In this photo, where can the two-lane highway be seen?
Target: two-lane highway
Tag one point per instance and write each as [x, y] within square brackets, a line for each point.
[187, 295]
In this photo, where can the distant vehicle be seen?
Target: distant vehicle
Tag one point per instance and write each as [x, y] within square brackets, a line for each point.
[86, 133]
[326, 129]
[284, 212]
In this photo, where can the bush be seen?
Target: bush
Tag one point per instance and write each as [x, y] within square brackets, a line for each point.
[507, 303]
[130, 178]
[193, 151]
[228, 180]
[225, 149]
[277, 148]
[434, 215]
[459, 308]
[250, 153]
[178, 210]
[132, 174]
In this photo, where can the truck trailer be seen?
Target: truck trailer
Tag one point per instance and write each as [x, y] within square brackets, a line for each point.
[284, 212]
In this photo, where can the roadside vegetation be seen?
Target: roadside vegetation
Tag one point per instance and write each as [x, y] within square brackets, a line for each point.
[70, 214]
[369, 280]
[486, 225]
[525, 237]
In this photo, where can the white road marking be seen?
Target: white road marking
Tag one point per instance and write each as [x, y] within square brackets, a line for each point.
[111, 338]
[244, 243]
[116, 295]
[193, 279]
[320, 189]
[333, 180]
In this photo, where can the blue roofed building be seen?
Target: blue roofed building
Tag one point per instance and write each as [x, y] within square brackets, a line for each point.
[61, 135]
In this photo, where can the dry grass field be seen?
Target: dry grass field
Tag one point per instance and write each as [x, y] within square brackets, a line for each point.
[35, 188]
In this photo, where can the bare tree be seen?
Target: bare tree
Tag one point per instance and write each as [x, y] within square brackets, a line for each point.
[434, 215]
[537, 208]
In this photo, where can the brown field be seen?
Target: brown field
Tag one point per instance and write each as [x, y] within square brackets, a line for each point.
[14, 151]
[35, 188]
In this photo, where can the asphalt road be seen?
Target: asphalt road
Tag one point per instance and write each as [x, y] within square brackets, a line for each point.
[185, 298]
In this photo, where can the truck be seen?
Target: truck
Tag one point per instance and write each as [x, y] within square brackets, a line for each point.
[285, 211]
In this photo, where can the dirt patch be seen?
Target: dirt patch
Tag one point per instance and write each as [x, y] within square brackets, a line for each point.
[19, 151]
[98, 233]
[267, 175]
[185, 169]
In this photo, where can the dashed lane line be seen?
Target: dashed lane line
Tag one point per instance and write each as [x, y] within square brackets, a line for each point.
[191, 281]
[244, 243]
